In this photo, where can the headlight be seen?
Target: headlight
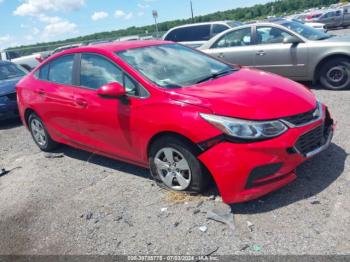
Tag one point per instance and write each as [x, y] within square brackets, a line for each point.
[245, 129]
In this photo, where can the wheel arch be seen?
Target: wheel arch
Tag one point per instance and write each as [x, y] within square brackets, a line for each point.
[171, 134]
[324, 60]
[27, 113]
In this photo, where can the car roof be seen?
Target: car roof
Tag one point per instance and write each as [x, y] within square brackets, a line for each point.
[202, 23]
[116, 46]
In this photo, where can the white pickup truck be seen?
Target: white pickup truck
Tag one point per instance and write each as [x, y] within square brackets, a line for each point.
[29, 62]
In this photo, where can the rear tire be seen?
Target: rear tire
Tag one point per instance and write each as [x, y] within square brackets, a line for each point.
[40, 135]
[335, 74]
[182, 171]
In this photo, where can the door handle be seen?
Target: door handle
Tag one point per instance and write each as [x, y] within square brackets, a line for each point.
[81, 102]
[261, 53]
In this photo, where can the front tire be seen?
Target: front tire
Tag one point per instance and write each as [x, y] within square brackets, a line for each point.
[174, 166]
[40, 135]
[335, 74]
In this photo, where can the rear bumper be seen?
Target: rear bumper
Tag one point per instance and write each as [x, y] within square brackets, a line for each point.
[244, 172]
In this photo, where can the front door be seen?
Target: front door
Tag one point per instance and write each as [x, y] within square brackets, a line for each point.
[234, 47]
[105, 123]
[272, 55]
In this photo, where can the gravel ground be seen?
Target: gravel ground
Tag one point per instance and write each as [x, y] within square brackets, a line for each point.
[87, 204]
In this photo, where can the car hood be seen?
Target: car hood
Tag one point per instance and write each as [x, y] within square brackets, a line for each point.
[8, 86]
[249, 94]
[336, 38]
[314, 24]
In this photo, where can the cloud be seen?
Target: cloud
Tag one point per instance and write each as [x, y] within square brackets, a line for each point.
[122, 14]
[6, 41]
[99, 15]
[37, 7]
[58, 28]
[143, 6]
[119, 13]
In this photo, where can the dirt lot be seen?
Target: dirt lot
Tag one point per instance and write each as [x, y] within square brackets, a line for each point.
[87, 204]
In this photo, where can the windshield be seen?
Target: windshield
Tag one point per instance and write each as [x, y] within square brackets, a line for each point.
[305, 31]
[172, 65]
[8, 71]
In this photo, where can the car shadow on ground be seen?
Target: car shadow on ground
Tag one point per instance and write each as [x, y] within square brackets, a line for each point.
[9, 124]
[314, 176]
[103, 161]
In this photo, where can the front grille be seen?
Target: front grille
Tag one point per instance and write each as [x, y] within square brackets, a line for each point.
[12, 97]
[302, 119]
[316, 137]
[311, 140]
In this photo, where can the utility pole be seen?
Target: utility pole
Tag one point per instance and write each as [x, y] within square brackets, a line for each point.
[192, 10]
[155, 16]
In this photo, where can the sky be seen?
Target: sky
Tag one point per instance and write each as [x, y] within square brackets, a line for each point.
[32, 21]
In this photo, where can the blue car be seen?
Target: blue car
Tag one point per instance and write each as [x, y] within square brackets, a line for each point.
[10, 74]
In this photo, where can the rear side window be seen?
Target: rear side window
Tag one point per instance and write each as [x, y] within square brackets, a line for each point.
[217, 29]
[61, 70]
[188, 34]
[97, 71]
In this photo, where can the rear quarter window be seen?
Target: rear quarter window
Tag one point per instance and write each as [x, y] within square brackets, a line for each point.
[43, 72]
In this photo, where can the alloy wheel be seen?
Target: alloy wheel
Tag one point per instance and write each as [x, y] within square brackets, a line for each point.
[38, 131]
[173, 168]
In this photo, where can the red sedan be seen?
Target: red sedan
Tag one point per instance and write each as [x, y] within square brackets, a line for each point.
[185, 115]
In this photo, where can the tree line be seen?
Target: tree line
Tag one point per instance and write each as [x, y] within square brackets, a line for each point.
[276, 8]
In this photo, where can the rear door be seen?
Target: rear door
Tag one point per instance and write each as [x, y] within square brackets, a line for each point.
[55, 97]
[272, 55]
[235, 47]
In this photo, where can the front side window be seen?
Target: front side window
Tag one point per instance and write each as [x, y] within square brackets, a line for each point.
[270, 35]
[61, 70]
[240, 37]
[172, 65]
[97, 71]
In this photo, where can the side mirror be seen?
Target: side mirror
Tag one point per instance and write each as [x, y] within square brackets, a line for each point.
[291, 40]
[111, 90]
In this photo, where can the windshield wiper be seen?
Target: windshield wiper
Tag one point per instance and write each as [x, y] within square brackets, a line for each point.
[216, 75]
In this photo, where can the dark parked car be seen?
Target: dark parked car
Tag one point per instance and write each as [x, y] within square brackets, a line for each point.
[195, 35]
[10, 74]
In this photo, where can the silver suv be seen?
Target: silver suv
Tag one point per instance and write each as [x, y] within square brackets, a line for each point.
[194, 35]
